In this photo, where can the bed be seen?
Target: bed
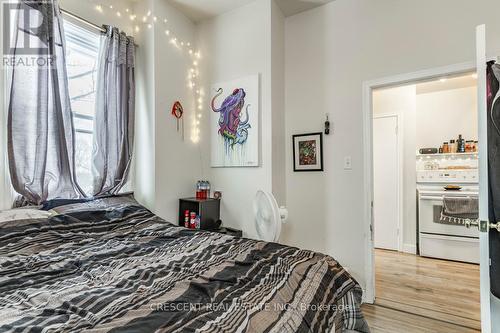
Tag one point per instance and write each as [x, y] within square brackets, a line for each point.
[110, 265]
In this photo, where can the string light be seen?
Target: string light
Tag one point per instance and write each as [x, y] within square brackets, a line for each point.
[193, 74]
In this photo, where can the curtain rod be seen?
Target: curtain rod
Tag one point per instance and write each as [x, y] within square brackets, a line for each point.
[82, 20]
[87, 22]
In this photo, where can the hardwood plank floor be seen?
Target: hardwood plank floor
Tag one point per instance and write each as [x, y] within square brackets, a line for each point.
[386, 320]
[424, 295]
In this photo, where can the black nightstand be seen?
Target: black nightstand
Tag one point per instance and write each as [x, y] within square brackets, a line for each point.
[208, 209]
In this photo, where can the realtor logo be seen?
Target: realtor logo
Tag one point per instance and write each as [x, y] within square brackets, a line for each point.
[27, 25]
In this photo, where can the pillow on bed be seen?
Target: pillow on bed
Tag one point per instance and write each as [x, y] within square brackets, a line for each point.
[23, 214]
[51, 204]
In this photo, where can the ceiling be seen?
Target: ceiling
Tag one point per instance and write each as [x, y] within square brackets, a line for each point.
[292, 7]
[199, 10]
[447, 83]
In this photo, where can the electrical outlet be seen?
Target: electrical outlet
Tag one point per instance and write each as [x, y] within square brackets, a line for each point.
[347, 163]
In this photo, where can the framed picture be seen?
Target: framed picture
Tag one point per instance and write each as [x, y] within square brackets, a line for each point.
[308, 152]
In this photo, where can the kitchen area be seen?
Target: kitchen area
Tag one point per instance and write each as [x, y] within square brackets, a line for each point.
[426, 170]
[425, 203]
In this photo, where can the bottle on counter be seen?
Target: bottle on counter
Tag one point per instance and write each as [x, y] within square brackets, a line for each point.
[203, 189]
[460, 144]
[198, 190]
[475, 147]
[453, 146]
[446, 148]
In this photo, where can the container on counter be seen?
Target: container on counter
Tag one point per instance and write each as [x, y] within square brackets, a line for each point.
[469, 146]
[475, 147]
[460, 144]
[199, 193]
[208, 190]
[453, 146]
[446, 148]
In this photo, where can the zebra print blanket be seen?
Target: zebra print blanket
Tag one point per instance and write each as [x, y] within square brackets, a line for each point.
[111, 265]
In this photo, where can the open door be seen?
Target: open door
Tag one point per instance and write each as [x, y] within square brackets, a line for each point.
[489, 186]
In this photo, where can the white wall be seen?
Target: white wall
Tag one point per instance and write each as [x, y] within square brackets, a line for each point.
[330, 51]
[445, 114]
[177, 162]
[278, 103]
[233, 45]
[166, 166]
[403, 102]
[145, 120]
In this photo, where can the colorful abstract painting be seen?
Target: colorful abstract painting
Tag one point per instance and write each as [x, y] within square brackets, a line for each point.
[308, 152]
[235, 123]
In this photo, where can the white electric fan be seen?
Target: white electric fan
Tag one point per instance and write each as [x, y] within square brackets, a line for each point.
[268, 216]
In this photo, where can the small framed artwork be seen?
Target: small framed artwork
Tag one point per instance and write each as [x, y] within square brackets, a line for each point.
[308, 152]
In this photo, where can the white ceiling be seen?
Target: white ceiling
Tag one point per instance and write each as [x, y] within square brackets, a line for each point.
[447, 83]
[199, 10]
[292, 7]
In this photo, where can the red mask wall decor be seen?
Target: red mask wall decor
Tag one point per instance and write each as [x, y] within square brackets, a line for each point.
[178, 112]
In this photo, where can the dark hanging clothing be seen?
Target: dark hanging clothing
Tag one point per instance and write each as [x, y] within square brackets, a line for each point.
[493, 104]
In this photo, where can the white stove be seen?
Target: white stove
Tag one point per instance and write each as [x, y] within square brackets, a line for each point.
[438, 239]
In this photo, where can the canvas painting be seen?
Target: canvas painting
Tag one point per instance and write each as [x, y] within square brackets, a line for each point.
[235, 123]
[308, 152]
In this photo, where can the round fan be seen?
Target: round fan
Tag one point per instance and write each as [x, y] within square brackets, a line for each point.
[268, 216]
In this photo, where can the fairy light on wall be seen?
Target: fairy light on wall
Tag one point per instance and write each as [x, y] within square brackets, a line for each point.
[149, 20]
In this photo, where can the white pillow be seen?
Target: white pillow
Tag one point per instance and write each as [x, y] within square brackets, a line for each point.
[23, 214]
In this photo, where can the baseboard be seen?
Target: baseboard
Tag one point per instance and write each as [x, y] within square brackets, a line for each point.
[366, 299]
[410, 248]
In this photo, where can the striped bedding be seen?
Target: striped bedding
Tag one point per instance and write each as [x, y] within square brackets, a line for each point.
[110, 265]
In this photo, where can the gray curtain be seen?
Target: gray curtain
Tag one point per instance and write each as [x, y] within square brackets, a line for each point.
[40, 125]
[115, 112]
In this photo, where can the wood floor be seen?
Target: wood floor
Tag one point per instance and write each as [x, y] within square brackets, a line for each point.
[416, 294]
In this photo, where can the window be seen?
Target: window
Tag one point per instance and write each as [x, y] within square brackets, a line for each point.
[82, 50]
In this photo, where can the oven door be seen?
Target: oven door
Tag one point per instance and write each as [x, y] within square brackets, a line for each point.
[430, 206]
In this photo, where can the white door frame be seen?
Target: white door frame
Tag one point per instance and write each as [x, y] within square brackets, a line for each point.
[367, 90]
[399, 133]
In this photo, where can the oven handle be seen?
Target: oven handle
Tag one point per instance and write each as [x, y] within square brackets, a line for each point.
[441, 197]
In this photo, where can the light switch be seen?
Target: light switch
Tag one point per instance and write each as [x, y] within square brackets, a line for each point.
[347, 163]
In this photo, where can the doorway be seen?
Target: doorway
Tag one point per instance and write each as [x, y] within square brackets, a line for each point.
[405, 281]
